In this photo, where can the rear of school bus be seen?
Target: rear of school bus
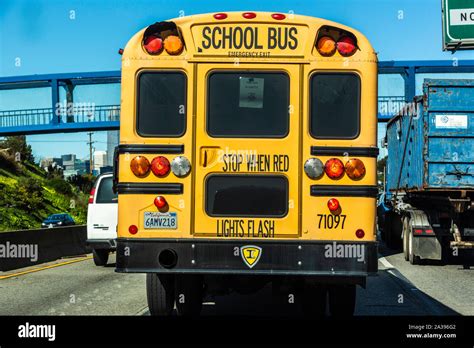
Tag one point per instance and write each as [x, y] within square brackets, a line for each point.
[247, 156]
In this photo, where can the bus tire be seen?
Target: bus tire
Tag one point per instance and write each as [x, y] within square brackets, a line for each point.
[313, 300]
[342, 300]
[100, 257]
[189, 294]
[160, 293]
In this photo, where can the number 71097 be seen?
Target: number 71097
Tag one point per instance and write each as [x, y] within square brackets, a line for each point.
[329, 221]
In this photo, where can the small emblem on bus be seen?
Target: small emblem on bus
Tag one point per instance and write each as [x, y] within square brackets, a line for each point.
[250, 254]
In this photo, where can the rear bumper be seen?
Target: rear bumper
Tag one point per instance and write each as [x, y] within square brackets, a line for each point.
[108, 244]
[210, 256]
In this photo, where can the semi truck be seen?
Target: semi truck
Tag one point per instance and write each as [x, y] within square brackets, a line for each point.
[429, 182]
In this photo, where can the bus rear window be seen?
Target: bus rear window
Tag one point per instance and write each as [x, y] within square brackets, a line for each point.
[249, 195]
[161, 104]
[248, 105]
[335, 106]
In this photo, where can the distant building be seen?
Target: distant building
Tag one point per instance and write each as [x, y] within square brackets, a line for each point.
[55, 162]
[83, 166]
[99, 160]
[112, 142]
[68, 162]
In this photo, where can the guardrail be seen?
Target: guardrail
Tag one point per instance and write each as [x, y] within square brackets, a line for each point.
[25, 248]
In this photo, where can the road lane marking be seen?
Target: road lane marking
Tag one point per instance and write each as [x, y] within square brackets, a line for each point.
[43, 268]
[385, 262]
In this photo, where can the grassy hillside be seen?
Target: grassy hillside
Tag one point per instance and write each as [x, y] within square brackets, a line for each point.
[27, 196]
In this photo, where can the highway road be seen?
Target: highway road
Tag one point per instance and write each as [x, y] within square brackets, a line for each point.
[77, 287]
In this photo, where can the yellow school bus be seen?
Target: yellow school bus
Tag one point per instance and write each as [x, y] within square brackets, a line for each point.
[247, 157]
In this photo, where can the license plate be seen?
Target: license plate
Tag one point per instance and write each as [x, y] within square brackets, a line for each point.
[157, 220]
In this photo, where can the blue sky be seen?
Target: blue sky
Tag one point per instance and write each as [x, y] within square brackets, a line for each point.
[52, 36]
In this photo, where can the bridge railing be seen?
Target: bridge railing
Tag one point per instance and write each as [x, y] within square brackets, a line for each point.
[64, 114]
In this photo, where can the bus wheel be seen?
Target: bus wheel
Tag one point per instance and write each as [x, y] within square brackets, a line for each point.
[313, 302]
[189, 294]
[342, 300]
[100, 257]
[160, 293]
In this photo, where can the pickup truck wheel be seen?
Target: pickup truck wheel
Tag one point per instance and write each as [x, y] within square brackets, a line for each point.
[160, 293]
[313, 301]
[189, 293]
[100, 257]
[342, 300]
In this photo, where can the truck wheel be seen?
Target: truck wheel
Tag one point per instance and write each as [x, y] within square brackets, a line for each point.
[313, 300]
[414, 260]
[100, 257]
[189, 294]
[406, 224]
[342, 300]
[160, 293]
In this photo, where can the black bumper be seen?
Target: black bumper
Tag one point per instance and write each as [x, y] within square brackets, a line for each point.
[208, 256]
[107, 244]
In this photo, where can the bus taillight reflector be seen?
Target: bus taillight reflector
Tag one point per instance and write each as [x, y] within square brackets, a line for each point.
[220, 16]
[173, 45]
[326, 46]
[360, 233]
[160, 202]
[140, 166]
[333, 205]
[153, 44]
[355, 169]
[278, 16]
[132, 229]
[160, 166]
[334, 168]
[346, 46]
[249, 15]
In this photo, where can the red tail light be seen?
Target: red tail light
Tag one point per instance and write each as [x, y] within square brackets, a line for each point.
[346, 46]
[160, 202]
[220, 16]
[417, 231]
[160, 166]
[360, 233]
[132, 229]
[334, 168]
[249, 15]
[91, 195]
[153, 44]
[333, 205]
[278, 16]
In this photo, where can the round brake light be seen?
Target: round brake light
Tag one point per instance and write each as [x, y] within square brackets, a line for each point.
[326, 46]
[140, 166]
[334, 168]
[160, 166]
[346, 46]
[132, 229]
[173, 45]
[355, 169]
[153, 44]
[360, 233]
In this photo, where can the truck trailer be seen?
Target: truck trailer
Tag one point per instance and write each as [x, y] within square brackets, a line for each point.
[429, 181]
